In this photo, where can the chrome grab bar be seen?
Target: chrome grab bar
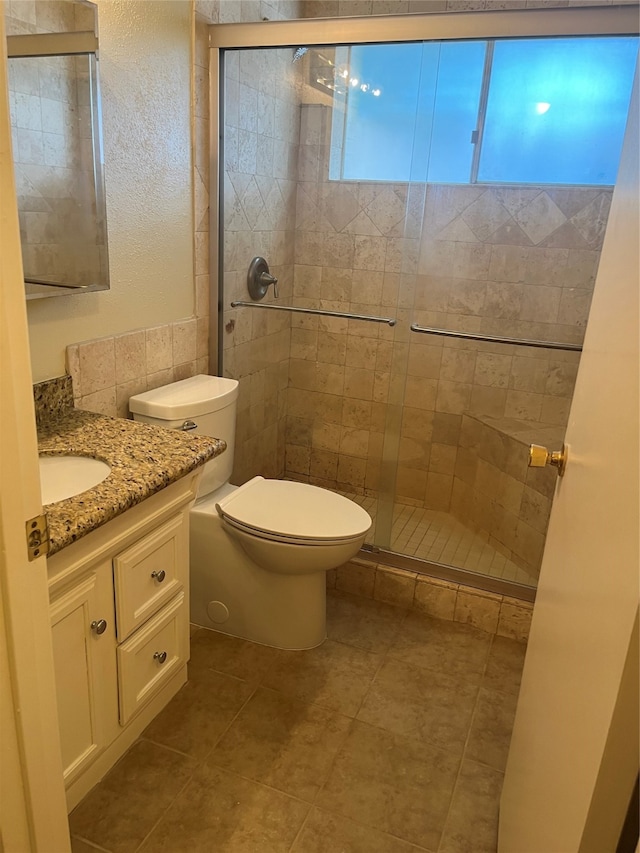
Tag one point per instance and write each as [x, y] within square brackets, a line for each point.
[320, 311]
[496, 339]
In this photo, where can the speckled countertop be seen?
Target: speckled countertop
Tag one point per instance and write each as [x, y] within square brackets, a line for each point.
[144, 459]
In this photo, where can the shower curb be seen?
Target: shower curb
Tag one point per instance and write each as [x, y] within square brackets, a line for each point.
[488, 611]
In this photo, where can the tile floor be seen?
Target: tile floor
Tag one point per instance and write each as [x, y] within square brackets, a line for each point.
[437, 536]
[391, 737]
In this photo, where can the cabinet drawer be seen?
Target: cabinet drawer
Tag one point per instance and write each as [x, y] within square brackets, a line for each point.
[148, 660]
[149, 574]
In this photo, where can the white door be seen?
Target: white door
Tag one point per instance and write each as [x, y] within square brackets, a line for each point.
[32, 803]
[574, 751]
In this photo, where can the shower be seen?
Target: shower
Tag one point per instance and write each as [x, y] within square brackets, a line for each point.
[435, 246]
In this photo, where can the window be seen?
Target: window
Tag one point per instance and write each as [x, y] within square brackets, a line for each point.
[540, 111]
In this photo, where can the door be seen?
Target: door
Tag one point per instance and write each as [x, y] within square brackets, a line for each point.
[574, 751]
[32, 806]
[84, 643]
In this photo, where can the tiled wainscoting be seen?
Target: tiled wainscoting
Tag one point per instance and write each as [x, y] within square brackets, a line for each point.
[107, 371]
[487, 611]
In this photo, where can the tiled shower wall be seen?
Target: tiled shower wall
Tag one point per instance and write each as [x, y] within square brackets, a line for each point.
[335, 439]
[261, 148]
[517, 261]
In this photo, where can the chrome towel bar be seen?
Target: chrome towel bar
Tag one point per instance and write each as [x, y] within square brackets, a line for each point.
[390, 321]
[519, 342]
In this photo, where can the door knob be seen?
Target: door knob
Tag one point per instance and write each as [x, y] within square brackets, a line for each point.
[99, 626]
[539, 457]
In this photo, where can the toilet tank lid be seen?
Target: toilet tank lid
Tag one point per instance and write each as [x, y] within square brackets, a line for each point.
[197, 395]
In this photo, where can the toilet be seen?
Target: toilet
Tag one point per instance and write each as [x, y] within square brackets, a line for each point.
[259, 552]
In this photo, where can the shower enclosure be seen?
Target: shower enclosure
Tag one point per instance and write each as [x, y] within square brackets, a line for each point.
[431, 192]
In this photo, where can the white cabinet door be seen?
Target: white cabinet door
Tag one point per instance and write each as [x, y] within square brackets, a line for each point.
[84, 650]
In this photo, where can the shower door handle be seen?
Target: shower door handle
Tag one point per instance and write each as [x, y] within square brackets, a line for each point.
[539, 457]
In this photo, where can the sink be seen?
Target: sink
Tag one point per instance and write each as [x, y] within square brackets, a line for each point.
[65, 476]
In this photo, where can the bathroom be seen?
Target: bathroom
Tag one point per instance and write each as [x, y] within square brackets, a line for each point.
[111, 356]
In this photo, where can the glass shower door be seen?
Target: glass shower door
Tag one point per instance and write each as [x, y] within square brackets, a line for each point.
[506, 262]
[408, 248]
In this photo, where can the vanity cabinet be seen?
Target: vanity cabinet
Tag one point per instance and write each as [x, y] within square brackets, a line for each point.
[120, 627]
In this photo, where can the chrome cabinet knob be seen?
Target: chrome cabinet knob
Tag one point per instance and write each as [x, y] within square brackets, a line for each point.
[160, 657]
[159, 576]
[99, 626]
[539, 457]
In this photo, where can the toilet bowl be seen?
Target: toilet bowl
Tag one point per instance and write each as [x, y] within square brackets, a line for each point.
[259, 552]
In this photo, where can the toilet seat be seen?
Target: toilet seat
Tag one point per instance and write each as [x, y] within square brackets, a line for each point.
[286, 511]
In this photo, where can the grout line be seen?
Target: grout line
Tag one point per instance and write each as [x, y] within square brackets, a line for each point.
[162, 816]
[86, 841]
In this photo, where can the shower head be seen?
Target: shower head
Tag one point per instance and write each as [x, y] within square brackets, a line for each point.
[298, 53]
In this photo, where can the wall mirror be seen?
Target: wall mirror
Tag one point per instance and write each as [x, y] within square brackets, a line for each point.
[57, 145]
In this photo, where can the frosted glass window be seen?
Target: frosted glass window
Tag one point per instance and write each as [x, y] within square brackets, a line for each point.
[553, 111]
[457, 100]
[379, 128]
[409, 111]
[557, 110]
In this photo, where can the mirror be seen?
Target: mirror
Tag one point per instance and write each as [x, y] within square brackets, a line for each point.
[57, 145]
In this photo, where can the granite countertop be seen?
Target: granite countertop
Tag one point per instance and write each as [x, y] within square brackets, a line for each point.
[144, 459]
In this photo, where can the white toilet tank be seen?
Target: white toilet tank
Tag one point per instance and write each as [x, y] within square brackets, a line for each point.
[210, 403]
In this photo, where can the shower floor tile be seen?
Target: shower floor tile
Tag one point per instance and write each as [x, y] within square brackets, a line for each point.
[439, 537]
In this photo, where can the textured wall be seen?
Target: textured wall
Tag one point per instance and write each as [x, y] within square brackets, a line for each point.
[145, 68]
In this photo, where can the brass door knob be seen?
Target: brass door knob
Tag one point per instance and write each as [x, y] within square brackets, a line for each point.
[539, 457]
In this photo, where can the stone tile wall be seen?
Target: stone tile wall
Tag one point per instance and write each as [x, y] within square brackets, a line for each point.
[107, 371]
[371, 255]
[516, 261]
[496, 493]
[261, 148]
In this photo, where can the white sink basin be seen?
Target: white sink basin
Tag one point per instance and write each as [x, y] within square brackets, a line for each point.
[65, 476]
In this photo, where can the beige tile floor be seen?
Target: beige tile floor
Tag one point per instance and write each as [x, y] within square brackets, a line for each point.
[441, 538]
[391, 737]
